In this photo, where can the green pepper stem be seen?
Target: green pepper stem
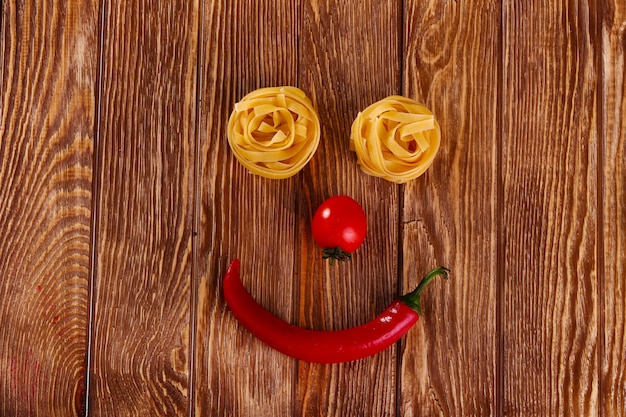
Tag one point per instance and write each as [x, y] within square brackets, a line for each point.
[412, 299]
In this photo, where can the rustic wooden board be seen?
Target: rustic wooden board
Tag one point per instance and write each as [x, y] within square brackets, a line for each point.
[47, 80]
[450, 216]
[244, 46]
[349, 59]
[550, 210]
[613, 227]
[140, 348]
[116, 177]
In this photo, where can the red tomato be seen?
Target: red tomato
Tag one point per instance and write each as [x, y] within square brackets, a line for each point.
[339, 227]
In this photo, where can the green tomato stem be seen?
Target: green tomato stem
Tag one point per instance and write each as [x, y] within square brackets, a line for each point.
[334, 254]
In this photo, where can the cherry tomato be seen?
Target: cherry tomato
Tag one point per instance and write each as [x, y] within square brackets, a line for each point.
[339, 227]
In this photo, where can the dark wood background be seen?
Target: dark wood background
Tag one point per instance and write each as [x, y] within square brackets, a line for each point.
[121, 206]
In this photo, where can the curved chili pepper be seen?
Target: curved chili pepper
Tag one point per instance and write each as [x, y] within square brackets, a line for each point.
[322, 346]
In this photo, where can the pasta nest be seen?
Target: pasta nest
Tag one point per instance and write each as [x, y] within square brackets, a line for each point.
[274, 131]
[395, 138]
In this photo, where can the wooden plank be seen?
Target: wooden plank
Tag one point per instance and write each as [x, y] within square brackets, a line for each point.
[550, 214]
[350, 58]
[47, 105]
[143, 278]
[450, 217]
[245, 46]
[613, 163]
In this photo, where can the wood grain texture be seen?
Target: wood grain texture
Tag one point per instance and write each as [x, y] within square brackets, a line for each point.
[550, 210]
[245, 46]
[450, 218]
[613, 163]
[147, 152]
[345, 74]
[47, 81]
[116, 177]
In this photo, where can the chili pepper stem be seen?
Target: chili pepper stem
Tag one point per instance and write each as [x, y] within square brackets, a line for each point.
[412, 299]
[334, 254]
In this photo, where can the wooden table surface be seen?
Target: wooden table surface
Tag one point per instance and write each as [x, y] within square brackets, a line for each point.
[121, 205]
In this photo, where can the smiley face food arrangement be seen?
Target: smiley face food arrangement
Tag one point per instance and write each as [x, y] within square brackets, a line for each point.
[274, 132]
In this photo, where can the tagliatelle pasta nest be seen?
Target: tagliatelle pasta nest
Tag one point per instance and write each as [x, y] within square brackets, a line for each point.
[274, 131]
[395, 138]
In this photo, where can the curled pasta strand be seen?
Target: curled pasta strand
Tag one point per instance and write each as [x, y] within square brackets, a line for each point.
[274, 131]
[395, 138]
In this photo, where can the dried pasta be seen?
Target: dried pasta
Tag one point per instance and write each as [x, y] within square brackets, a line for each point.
[274, 131]
[395, 138]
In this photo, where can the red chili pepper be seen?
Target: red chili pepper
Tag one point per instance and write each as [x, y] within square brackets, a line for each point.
[321, 346]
